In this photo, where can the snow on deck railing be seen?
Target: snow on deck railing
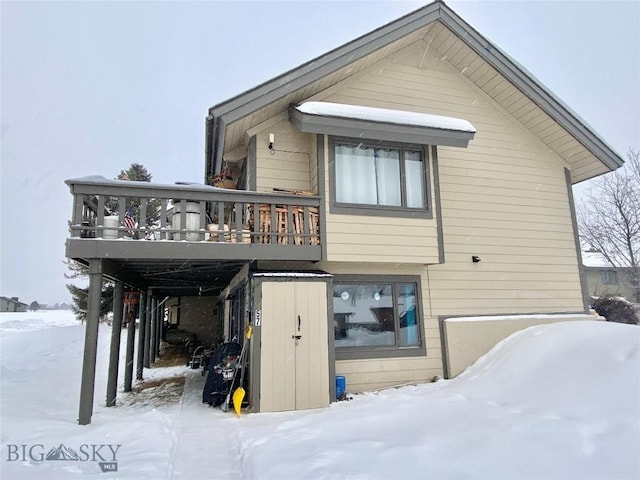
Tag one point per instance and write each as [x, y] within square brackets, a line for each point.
[118, 209]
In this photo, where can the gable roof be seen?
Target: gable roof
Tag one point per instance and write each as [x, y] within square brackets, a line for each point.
[441, 28]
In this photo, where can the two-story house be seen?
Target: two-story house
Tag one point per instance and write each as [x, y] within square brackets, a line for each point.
[12, 304]
[604, 279]
[389, 197]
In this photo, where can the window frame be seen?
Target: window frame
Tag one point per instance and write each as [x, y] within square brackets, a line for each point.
[382, 210]
[384, 351]
[609, 277]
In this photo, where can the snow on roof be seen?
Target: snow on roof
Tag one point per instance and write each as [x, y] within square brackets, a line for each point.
[292, 274]
[594, 259]
[385, 115]
[550, 316]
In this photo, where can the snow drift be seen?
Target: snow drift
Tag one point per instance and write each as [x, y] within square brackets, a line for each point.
[555, 401]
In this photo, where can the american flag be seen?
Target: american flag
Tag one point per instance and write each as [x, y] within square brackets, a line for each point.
[130, 220]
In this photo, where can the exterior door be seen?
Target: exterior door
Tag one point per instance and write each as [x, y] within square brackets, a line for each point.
[294, 357]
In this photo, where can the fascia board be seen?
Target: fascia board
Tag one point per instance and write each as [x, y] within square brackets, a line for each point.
[270, 91]
[531, 87]
[366, 129]
[245, 103]
[317, 68]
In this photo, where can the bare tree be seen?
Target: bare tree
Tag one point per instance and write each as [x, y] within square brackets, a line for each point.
[609, 219]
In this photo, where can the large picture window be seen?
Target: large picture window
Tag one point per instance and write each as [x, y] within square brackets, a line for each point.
[376, 318]
[379, 178]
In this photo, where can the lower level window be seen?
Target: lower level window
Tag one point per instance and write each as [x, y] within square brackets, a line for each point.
[376, 318]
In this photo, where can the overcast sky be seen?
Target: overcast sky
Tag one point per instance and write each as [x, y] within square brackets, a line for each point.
[90, 87]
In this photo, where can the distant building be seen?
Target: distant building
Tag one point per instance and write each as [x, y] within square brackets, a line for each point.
[603, 279]
[12, 305]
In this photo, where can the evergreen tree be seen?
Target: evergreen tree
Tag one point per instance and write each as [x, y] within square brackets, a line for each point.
[136, 173]
[80, 298]
[34, 307]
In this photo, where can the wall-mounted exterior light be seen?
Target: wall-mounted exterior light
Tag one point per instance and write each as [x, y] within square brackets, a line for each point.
[272, 139]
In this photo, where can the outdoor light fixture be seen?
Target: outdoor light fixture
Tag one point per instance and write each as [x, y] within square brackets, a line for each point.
[475, 259]
[272, 139]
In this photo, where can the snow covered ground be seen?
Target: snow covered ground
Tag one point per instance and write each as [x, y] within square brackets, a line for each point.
[555, 401]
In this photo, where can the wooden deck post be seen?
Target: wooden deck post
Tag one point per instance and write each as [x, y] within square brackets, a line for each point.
[147, 331]
[141, 335]
[154, 331]
[131, 339]
[114, 353]
[87, 384]
[159, 322]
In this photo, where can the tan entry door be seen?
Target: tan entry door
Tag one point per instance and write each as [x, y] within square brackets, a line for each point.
[294, 357]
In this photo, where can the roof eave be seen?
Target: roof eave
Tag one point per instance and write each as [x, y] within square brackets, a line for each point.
[269, 91]
[310, 71]
[245, 103]
[532, 88]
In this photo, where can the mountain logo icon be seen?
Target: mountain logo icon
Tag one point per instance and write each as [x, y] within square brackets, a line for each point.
[61, 452]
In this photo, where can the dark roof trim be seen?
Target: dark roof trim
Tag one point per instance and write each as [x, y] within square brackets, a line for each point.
[241, 105]
[532, 88]
[276, 88]
[352, 126]
[331, 61]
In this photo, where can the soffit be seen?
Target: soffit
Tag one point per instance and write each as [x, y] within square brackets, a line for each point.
[583, 163]
[515, 89]
[235, 131]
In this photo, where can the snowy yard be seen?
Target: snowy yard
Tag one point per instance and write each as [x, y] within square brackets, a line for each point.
[555, 401]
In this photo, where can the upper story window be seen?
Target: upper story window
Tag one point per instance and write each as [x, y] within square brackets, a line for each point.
[609, 277]
[379, 178]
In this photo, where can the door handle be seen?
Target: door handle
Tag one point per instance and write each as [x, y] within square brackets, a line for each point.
[297, 337]
[299, 322]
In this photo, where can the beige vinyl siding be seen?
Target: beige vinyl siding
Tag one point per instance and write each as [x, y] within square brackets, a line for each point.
[374, 374]
[365, 238]
[504, 198]
[368, 375]
[290, 166]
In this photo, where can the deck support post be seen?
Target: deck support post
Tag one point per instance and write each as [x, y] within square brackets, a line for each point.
[131, 339]
[87, 383]
[141, 335]
[114, 352]
[154, 331]
[147, 331]
[159, 322]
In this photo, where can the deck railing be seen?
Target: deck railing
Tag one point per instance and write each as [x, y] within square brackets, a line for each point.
[141, 211]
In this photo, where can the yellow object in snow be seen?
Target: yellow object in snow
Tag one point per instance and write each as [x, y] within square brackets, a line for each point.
[238, 395]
